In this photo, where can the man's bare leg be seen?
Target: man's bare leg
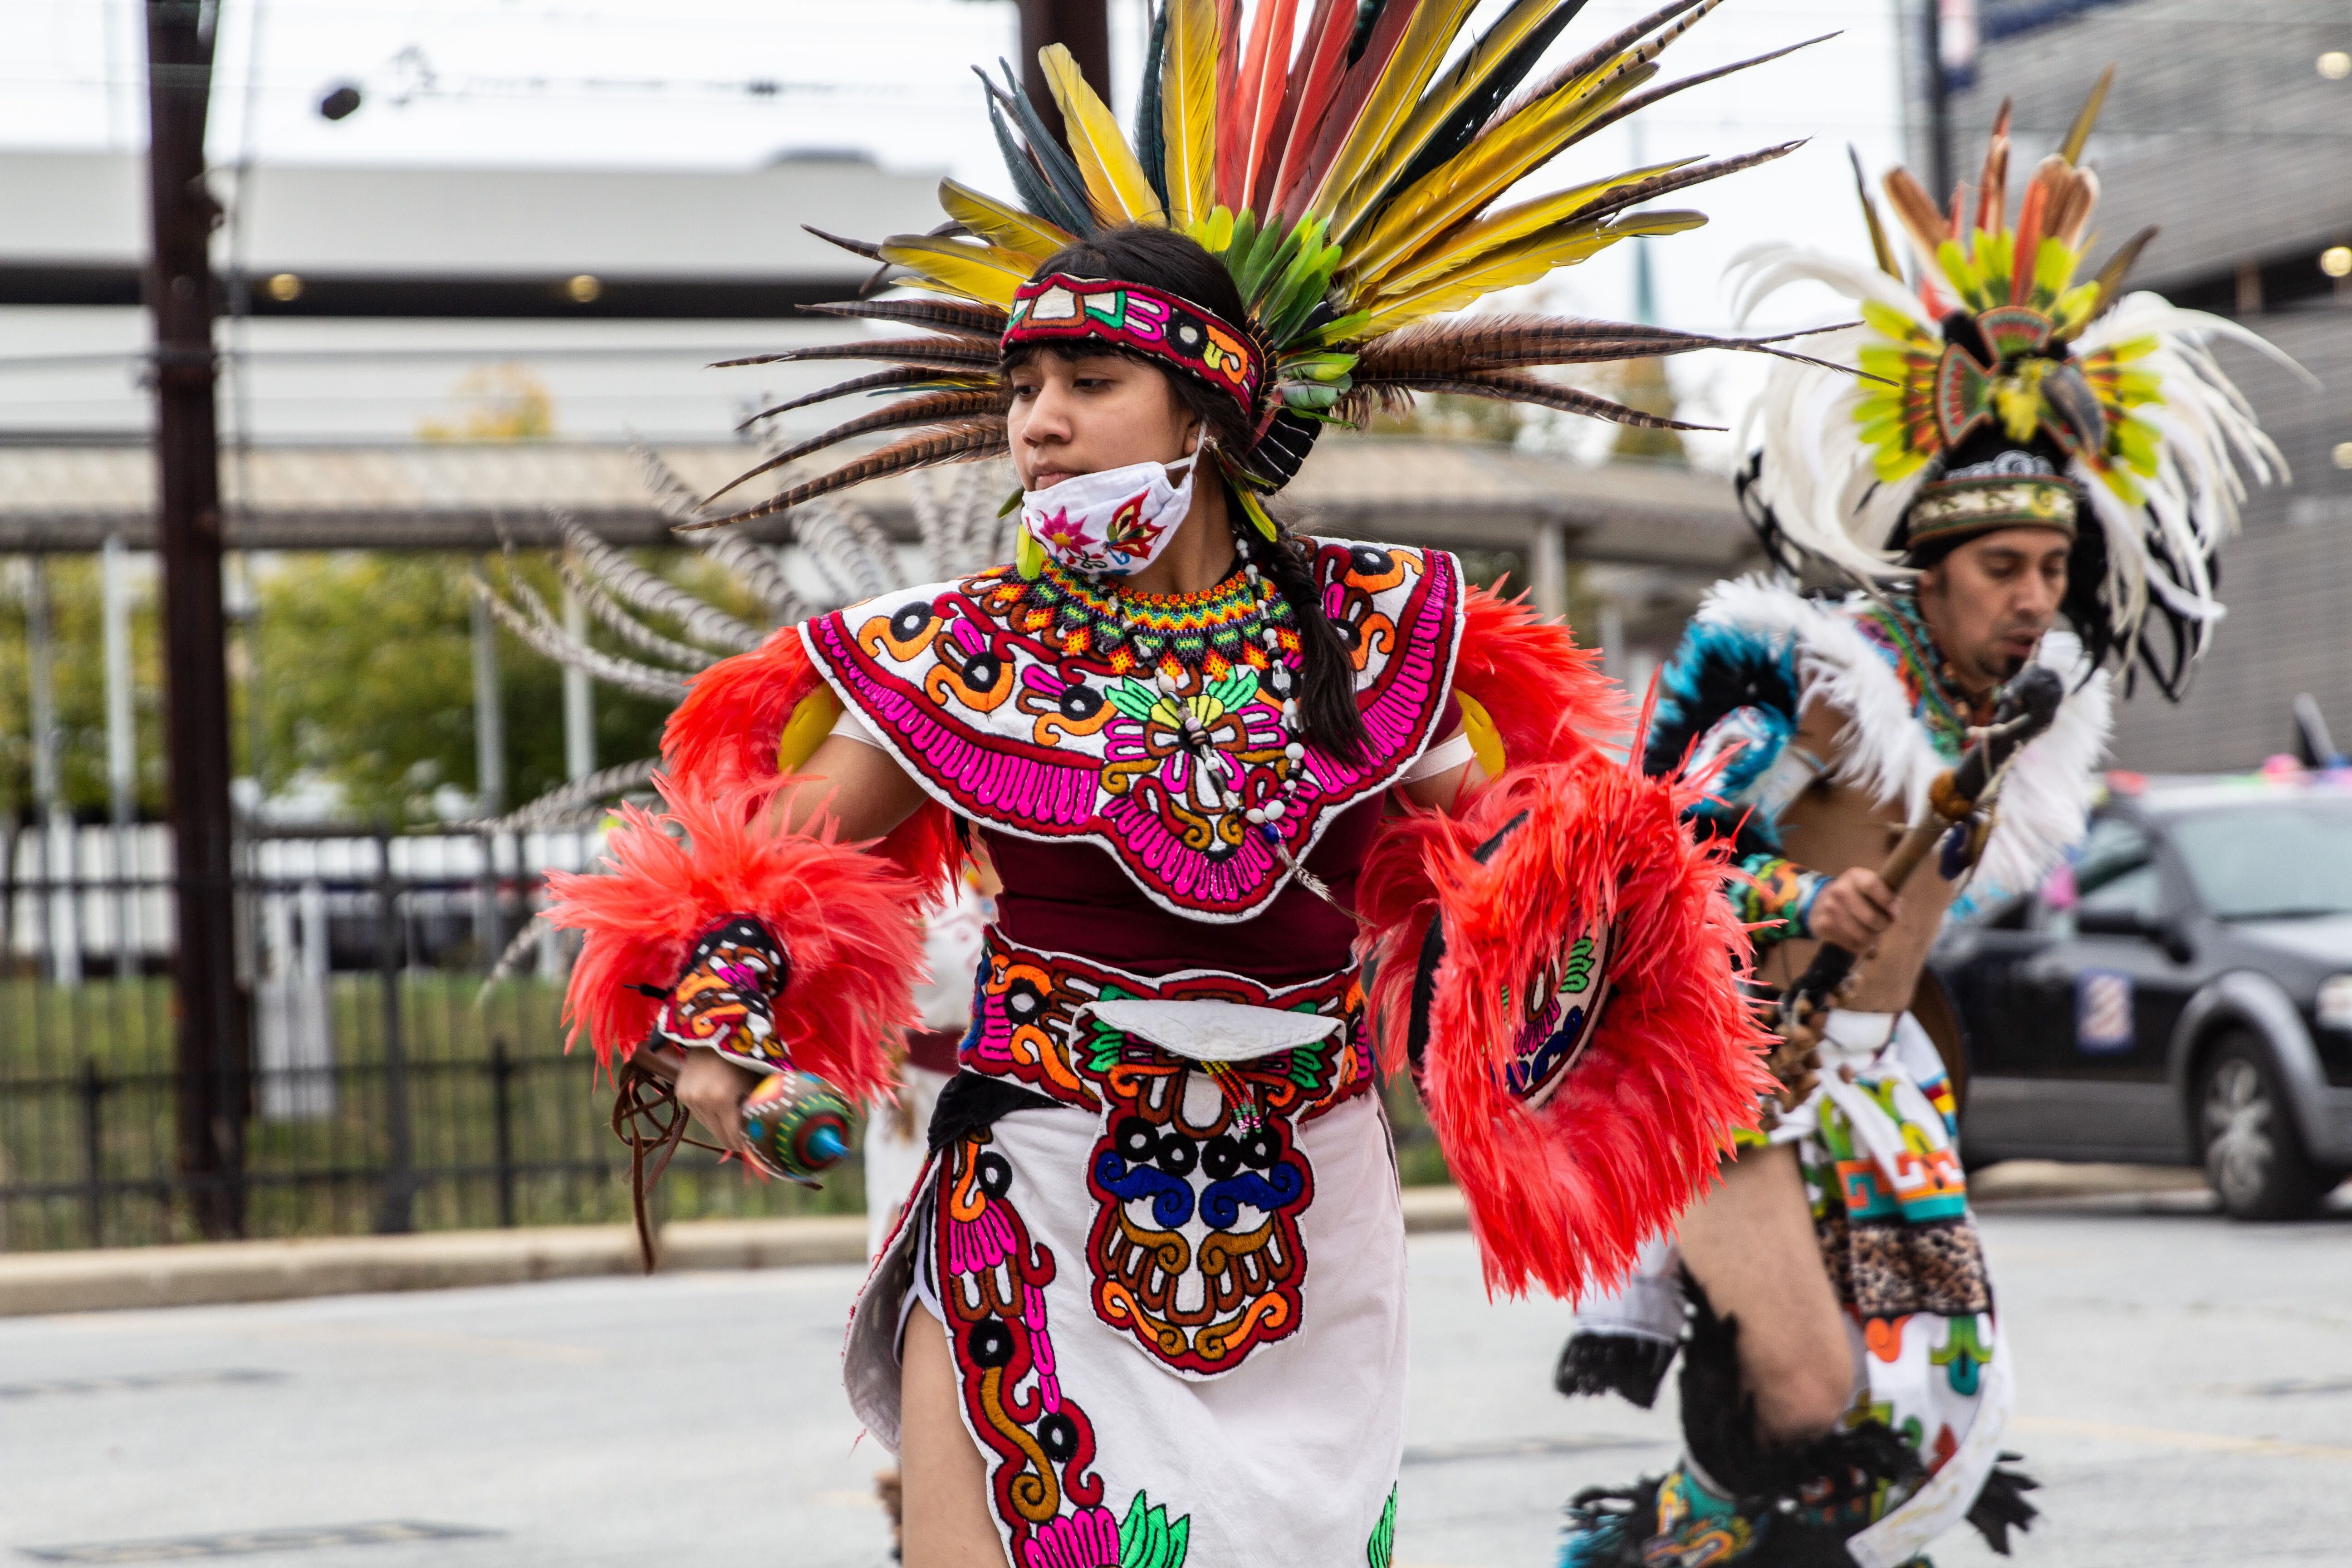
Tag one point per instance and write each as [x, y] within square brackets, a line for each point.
[1749, 1244]
[948, 1524]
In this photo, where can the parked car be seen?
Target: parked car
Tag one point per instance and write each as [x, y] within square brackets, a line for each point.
[2180, 992]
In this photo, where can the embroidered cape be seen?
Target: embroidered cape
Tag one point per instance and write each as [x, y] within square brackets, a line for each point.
[1039, 708]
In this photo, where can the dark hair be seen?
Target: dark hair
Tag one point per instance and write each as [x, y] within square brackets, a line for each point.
[1168, 260]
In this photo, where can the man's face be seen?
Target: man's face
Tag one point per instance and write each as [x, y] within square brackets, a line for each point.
[1988, 602]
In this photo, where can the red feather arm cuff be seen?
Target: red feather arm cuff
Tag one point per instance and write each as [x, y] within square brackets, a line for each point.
[1584, 1050]
[847, 923]
[728, 730]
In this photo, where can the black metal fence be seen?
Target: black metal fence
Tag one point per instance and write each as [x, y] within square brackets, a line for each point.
[388, 1083]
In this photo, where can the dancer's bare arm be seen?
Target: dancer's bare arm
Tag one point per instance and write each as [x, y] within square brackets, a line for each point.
[866, 793]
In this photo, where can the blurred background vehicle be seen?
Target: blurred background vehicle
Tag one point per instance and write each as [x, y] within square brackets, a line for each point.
[2180, 993]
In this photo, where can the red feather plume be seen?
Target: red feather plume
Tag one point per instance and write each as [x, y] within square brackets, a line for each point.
[725, 730]
[848, 918]
[1564, 1195]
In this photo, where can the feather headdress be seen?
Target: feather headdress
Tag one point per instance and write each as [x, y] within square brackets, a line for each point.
[2001, 386]
[1348, 177]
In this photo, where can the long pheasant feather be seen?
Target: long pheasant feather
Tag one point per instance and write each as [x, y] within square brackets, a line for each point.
[954, 316]
[954, 352]
[899, 378]
[1115, 188]
[1188, 111]
[1004, 226]
[966, 440]
[1550, 395]
[1639, 102]
[927, 408]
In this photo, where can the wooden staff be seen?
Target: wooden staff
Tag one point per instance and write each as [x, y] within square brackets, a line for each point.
[2029, 704]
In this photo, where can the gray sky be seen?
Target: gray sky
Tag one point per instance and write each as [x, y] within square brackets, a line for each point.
[665, 83]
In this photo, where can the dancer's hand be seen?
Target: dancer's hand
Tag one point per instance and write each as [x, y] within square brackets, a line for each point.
[1856, 910]
[713, 1088]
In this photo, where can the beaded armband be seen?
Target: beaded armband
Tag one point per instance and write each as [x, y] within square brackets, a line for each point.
[1775, 896]
[725, 997]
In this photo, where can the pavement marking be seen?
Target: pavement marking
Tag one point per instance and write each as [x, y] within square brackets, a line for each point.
[239, 1543]
[137, 1379]
[1519, 1448]
[2284, 1385]
[2167, 1437]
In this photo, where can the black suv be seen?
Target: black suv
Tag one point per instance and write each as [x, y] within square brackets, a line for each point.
[2181, 992]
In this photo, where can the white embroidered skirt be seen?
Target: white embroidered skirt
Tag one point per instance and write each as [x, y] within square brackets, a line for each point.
[1177, 1318]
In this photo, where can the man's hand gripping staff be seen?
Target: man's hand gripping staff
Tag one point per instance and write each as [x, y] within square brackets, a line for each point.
[718, 946]
[2029, 704]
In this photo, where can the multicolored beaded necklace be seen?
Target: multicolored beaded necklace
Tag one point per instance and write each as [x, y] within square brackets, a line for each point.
[1182, 647]
[1947, 710]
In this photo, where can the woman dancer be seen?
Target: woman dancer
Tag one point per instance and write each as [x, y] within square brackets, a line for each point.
[1145, 1305]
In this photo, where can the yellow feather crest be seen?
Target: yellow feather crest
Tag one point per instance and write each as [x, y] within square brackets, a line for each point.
[1001, 224]
[1188, 112]
[1116, 187]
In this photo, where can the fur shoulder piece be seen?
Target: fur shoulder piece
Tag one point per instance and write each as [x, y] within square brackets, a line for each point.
[1887, 747]
[727, 730]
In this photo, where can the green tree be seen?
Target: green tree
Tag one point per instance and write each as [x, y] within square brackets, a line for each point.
[76, 628]
[367, 681]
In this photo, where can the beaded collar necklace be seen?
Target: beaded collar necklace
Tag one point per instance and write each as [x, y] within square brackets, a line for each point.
[1188, 657]
[1946, 706]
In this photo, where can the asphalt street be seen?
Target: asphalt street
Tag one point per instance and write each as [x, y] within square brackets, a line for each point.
[2186, 1397]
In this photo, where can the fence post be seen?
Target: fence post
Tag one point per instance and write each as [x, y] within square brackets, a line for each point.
[503, 1072]
[398, 1214]
[93, 1150]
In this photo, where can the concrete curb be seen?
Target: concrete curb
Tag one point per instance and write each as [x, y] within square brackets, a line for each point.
[212, 1274]
[2026, 1181]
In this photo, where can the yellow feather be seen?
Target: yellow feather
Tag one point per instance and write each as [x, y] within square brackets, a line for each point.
[1467, 243]
[1499, 160]
[1003, 225]
[1116, 187]
[1513, 264]
[983, 272]
[1441, 103]
[1188, 111]
[2080, 131]
[1416, 60]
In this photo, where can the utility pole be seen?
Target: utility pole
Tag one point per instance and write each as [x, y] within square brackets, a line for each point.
[1082, 26]
[1939, 107]
[211, 1058]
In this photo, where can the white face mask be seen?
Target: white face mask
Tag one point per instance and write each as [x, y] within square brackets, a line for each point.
[1113, 522]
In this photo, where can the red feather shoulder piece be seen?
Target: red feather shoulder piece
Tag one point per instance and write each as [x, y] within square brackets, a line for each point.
[1558, 963]
[847, 920]
[727, 730]
[1545, 695]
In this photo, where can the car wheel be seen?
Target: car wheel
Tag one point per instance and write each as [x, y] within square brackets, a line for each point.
[2254, 1154]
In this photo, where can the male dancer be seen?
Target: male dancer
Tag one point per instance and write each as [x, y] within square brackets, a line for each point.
[1844, 1384]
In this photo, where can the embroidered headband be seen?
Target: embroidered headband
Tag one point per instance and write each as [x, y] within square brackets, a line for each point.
[1960, 508]
[1162, 326]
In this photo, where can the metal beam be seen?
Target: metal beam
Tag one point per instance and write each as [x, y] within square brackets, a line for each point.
[180, 293]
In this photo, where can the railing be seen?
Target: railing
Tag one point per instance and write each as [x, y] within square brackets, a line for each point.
[389, 1085]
